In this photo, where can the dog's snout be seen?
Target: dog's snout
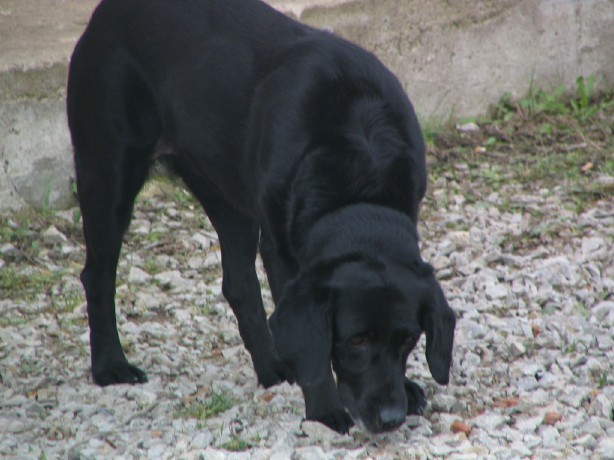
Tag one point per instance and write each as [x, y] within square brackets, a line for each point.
[390, 418]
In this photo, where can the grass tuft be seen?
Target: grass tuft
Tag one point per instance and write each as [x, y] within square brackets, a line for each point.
[215, 404]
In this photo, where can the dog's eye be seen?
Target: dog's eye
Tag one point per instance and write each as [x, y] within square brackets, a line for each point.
[359, 340]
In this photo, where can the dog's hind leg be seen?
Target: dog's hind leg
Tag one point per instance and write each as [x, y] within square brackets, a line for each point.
[111, 162]
[106, 198]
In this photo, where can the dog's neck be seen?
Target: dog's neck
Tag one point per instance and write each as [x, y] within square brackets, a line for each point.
[358, 226]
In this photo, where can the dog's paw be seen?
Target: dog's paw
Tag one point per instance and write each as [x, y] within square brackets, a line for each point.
[338, 420]
[272, 374]
[117, 373]
[416, 398]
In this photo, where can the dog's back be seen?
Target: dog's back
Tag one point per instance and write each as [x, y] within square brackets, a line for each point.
[193, 71]
[186, 52]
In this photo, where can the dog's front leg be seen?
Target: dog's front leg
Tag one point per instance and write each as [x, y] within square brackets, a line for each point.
[302, 334]
[323, 404]
[416, 398]
[238, 235]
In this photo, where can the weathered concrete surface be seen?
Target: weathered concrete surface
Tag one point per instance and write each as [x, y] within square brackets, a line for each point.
[459, 56]
[454, 57]
[37, 168]
[36, 39]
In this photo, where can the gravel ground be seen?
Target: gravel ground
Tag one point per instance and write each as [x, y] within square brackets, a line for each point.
[530, 277]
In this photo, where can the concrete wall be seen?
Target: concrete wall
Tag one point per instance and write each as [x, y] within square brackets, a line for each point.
[36, 40]
[454, 57]
[459, 56]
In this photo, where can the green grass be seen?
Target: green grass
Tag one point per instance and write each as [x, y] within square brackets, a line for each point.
[545, 140]
[602, 382]
[66, 302]
[583, 104]
[16, 285]
[15, 232]
[570, 348]
[154, 237]
[236, 444]
[45, 204]
[170, 187]
[430, 129]
[12, 321]
[493, 176]
[215, 404]
[152, 266]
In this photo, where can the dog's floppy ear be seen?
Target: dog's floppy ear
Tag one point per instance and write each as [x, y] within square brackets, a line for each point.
[302, 330]
[438, 322]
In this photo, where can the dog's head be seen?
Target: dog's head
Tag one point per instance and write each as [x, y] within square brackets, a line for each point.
[364, 317]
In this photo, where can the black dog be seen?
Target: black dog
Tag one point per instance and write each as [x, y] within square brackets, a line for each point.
[295, 142]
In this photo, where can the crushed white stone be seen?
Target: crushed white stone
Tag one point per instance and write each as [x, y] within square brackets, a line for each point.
[535, 323]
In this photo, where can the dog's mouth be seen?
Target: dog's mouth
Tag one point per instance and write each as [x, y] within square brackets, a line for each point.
[371, 417]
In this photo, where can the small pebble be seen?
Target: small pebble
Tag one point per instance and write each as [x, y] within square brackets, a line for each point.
[552, 418]
[460, 427]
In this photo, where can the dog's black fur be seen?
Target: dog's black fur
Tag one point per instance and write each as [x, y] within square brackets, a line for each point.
[294, 141]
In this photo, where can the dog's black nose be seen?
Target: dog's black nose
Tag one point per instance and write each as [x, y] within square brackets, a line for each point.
[391, 418]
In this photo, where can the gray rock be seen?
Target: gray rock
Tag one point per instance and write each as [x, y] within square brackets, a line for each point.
[202, 439]
[140, 227]
[470, 361]
[488, 421]
[148, 300]
[212, 259]
[518, 448]
[550, 436]
[468, 127]
[517, 349]
[444, 403]
[602, 309]
[529, 425]
[605, 449]
[495, 291]
[605, 342]
[318, 432]
[586, 441]
[413, 421]
[196, 262]
[141, 395]
[459, 239]
[173, 279]
[138, 276]
[283, 447]
[8, 249]
[53, 235]
[473, 330]
[576, 396]
[203, 241]
[309, 453]
[591, 245]
[593, 426]
[442, 450]
[15, 426]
